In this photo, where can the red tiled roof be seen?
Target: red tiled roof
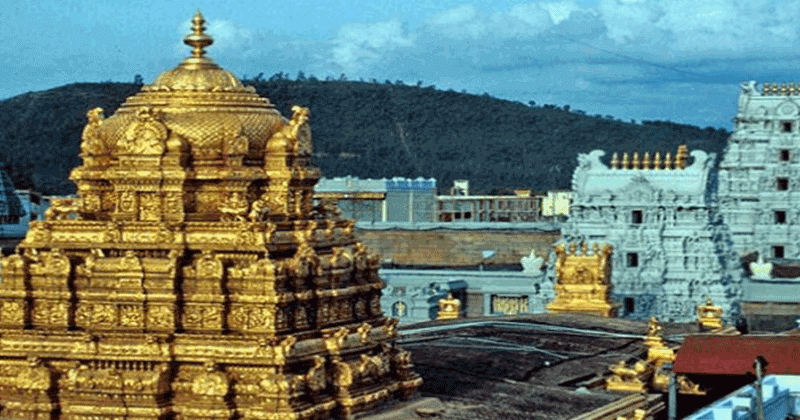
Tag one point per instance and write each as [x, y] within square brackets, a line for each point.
[734, 355]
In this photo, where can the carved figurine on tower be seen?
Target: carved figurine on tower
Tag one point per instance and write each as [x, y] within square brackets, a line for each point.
[583, 280]
[193, 277]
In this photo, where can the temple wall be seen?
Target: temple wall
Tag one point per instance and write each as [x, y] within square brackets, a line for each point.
[455, 247]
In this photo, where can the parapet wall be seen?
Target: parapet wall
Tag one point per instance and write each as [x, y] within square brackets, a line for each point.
[453, 248]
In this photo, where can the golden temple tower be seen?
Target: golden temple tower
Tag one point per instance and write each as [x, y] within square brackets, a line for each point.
[193, 278]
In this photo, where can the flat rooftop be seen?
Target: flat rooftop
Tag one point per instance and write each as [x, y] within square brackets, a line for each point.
[541, 366]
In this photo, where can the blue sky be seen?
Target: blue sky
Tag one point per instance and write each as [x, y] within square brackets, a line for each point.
[677, 60]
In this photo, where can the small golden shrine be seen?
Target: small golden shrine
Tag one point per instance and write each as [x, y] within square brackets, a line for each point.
[193, 277]
[583, 280]
[449, 307]
[709, 316]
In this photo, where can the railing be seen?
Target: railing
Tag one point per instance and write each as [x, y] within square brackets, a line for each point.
[625, 407]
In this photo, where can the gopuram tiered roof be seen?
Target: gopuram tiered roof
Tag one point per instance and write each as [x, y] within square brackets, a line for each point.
[193, 277]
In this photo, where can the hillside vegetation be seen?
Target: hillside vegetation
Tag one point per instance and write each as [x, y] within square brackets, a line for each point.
[368, 130]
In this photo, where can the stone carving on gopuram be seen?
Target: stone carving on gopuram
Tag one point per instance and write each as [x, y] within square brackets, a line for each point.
[671, 248]
[582, 280]
[758, 175]
[193, 278]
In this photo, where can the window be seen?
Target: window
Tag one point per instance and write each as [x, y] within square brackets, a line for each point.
[783, 184]
[784, 155]
[780, 217]
[787, 127]
[777, 251]
[633, 259]
[629, 308]
[637, 217]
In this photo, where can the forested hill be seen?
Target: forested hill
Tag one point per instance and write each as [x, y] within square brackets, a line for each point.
[368, 130]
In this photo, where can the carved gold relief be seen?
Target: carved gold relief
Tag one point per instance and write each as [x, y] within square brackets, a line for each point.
[145, 135]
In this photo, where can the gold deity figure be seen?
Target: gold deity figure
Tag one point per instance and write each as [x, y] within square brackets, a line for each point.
[400, 309]
[449, 307]
[658, 352]
[653, 327]
[709, 316]
[627, 379]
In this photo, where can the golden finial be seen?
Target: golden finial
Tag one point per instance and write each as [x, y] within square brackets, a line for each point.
[198, 39]
[646, 160]
[625, 160]
[783, 88]
[668, 161]
[765, 89]
[681, 156]
[657, 161]
[614, 161]
[791, 88]
[635, 161]
[774, 88]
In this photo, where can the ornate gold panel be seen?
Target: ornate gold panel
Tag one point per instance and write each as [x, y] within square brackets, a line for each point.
[583, 280]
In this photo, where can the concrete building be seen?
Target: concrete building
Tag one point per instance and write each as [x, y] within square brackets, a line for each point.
[459, 206]
[381, 200]
[415, 201]
[556, 204]
[488, 208]
[759, 176]
[670, 247]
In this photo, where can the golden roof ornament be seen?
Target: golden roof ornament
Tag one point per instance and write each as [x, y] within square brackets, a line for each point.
[449, 307]
[194, 265]
[709, 316]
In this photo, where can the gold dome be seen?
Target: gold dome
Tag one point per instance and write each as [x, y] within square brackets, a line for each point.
[204, 104]
[200, 132]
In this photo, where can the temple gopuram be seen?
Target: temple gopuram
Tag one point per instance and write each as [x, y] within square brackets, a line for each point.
[193, 277]
[659, 212]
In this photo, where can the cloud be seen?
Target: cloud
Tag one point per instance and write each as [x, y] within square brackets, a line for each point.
[468, 23]
[627, 58]
[359, 46]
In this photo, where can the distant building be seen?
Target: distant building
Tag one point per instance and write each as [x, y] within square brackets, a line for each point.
[415, 201]
[556, 203]
[459, 206]
[670, 247]
[460, 187]
[381, 200]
